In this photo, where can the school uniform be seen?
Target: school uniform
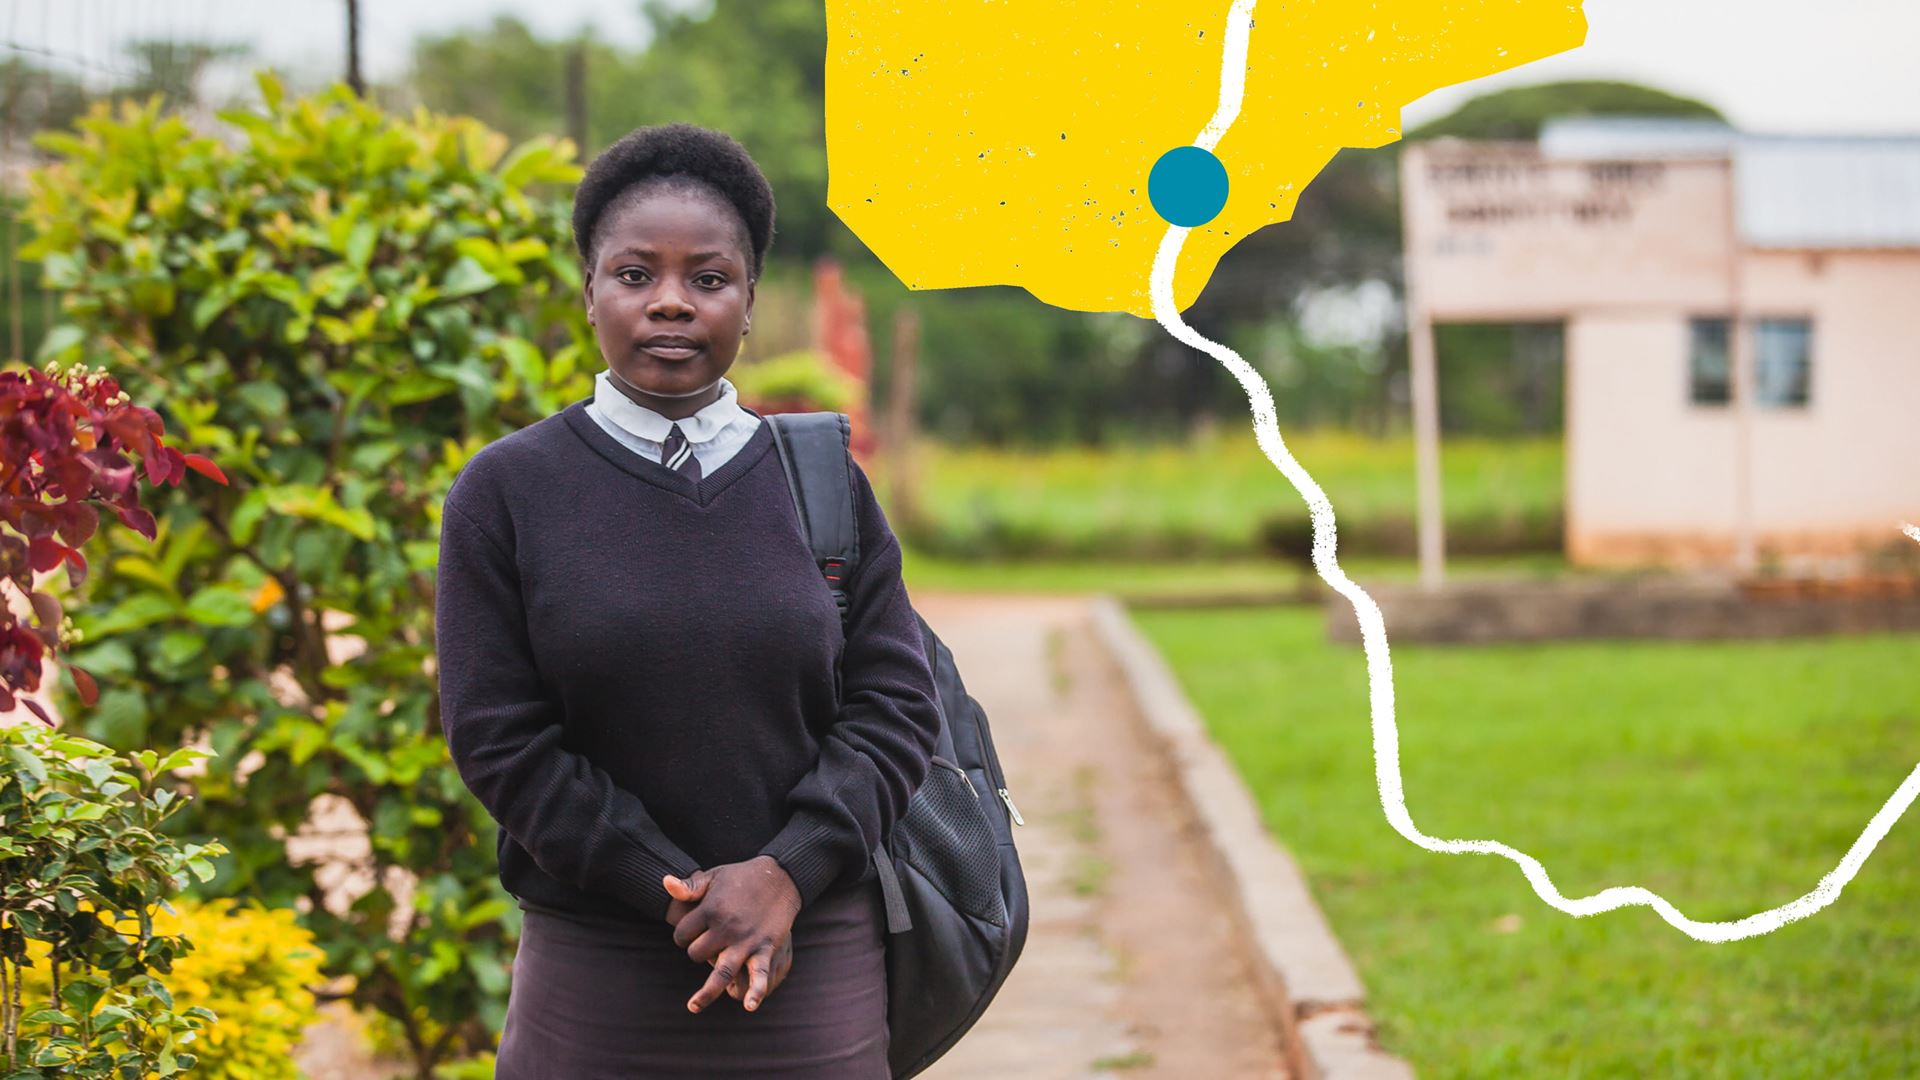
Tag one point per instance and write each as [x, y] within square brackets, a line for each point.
[642, 673]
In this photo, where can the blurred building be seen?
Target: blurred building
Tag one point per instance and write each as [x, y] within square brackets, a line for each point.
[1742, 328]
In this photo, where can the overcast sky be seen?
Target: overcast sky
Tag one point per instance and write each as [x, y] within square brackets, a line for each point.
[1833, 67]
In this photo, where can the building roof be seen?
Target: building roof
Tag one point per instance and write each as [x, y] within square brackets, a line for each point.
[1790, 191]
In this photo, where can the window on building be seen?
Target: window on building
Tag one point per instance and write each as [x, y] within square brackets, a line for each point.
[1782, 362]
[1709, 363]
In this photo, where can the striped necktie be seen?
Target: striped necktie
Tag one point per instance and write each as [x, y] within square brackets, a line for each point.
[677, 455]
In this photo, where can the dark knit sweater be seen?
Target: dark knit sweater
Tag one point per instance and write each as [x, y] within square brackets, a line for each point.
[637, 671]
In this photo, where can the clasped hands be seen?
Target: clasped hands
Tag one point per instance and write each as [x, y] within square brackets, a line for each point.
[739, 918]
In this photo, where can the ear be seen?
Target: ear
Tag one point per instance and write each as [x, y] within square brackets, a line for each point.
[586, 293]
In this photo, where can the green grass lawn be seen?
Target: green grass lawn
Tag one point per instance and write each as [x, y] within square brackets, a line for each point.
[1728, 777]
[1147, 578]
[1211, 496]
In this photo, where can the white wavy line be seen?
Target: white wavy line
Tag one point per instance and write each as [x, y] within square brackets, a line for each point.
[1912, 531]
[1386, 736]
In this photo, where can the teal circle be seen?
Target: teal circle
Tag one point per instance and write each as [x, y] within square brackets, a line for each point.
[1187, 186]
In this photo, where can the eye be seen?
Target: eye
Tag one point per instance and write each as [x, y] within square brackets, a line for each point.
[625, 270]
[717, 280]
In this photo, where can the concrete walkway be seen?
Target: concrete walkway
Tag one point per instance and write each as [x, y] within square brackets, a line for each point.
[1131, 967]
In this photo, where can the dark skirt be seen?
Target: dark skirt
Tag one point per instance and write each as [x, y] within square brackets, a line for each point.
[600, 1001]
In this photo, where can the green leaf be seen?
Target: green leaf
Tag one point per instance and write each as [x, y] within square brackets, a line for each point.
[109, 660]
[333, 283]
[179, 646]
[246, 516]
[221, 605]
[120, 717]
[360, 244]
[213, 302]
[317, 504]
[26, 761]
[273, 93]
[561, 368]
[372, 457]
[139, 569]
[525, 361]
[141, 609]
[83, 992]
[537, 160]
[264, 398]
[185, 755]
[58, 342]
[61, 270]
[465, 278]
[488, 971]
[153, 296]
[525, 248]
[417, 386]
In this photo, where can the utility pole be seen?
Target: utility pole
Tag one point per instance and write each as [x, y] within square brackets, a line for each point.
[904, 488]
[1429, 512]
[14, 332]
[353, 49]
[577, 94]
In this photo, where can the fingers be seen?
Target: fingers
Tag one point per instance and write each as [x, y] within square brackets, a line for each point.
[724, 969]
[782, 963]
[759, 979]
[708, 946]
[690, 888]
[677, 910]
[691, 926]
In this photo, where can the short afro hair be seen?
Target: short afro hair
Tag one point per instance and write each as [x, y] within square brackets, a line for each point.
[675, 156]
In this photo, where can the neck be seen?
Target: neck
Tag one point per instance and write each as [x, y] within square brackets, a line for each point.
[673, 408]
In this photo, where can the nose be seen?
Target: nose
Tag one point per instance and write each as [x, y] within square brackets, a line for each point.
[669, 302]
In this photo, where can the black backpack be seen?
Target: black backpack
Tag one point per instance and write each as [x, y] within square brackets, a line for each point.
[955, 893]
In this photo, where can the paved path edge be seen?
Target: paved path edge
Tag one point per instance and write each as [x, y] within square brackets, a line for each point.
[1310, 985]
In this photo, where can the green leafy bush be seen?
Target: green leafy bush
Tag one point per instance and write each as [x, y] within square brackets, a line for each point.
[340, 307]
[251, 967]
[801, 381]
[81, 856]
[256, 968]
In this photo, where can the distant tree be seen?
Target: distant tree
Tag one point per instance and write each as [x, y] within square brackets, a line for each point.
[515, 81]
[1518, 113]
[755, 69]
[172, 69]
[33, 98]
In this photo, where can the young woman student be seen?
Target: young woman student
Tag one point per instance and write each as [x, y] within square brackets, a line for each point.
[645, 680]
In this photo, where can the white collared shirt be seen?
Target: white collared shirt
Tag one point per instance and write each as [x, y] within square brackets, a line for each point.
[715, 433]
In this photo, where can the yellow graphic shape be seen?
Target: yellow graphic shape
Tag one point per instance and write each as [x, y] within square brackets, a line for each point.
[1008, 142]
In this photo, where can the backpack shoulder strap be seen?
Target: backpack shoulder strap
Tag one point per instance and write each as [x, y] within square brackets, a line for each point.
[814, 453]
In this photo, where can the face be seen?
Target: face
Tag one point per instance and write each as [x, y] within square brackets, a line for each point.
[669, 298]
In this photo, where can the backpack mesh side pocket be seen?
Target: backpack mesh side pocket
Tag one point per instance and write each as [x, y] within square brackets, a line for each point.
[945, 836]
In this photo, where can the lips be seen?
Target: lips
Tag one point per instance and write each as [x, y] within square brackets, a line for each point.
[670, 348]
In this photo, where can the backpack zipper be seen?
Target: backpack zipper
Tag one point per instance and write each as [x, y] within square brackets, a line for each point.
[945, 764]
[988, 761]
[1012, 809]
